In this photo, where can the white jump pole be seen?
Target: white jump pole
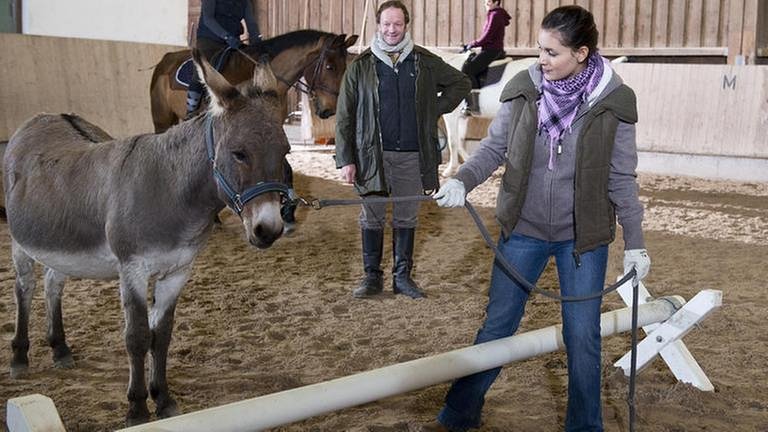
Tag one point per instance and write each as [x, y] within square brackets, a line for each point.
[304, 402]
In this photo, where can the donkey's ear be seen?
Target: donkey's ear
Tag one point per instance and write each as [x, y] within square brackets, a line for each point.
[224, 96]
[350, 41]
[263, 77]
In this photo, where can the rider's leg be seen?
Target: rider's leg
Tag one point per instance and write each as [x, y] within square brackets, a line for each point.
[208, 48]
[473, 69]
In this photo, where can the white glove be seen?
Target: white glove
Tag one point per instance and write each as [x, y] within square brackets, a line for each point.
[451, 194]
[639, 259]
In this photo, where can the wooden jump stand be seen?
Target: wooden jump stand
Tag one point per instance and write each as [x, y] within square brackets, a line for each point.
[665, 339]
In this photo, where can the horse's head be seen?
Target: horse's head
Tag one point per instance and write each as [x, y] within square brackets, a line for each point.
[324, 75]
[248, 145]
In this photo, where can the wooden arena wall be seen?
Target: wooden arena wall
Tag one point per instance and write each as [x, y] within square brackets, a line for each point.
[689, 109]
[702, 110]
[105, 82]
[733, 31]
[711, 110]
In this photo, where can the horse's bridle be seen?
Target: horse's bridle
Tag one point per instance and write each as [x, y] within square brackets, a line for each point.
[309, 88]
[237, 200]
[299, 85]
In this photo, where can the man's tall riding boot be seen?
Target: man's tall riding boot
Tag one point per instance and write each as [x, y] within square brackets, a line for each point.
[373, 282]
[402, 251]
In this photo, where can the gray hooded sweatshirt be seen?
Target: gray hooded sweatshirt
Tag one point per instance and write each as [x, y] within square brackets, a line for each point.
[547, 211]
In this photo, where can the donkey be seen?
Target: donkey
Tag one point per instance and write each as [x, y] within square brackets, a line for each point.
[139, 209]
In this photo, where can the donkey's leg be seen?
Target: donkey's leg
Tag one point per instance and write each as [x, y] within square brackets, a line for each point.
[133, 294]
[24, 266]
[54, 284]
[166, 294]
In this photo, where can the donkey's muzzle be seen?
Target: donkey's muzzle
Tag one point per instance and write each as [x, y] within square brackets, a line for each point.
[264, 234]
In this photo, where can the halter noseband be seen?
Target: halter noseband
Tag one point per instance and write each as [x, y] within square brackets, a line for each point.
[237, 200]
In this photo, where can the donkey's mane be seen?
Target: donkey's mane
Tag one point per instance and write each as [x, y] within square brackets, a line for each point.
[77, 124]
[254, 92]
[280, 43]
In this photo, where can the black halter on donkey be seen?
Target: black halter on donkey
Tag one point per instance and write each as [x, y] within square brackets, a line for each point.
[237, 200]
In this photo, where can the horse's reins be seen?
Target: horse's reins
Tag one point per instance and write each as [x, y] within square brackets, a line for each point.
[237, 200]
[510, 270]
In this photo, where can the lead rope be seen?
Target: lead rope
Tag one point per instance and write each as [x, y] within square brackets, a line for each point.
[633, 356]
[318, 204]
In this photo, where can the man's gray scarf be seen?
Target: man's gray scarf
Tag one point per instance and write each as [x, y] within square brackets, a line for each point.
[381, 49]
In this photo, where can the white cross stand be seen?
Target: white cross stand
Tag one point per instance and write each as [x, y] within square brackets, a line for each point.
[33, 413]
[665, 338]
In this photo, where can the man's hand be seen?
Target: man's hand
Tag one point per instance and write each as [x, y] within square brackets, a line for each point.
[639, 259]
[349, 173]
[451, 194]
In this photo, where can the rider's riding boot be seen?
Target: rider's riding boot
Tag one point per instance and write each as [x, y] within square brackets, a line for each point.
[472, 106]
[373, 282]
[193, 101]
[402, 251]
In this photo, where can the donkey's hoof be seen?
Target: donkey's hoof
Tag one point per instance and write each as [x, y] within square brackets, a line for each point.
[137, 414]
[170, 409]
[65, 362]
[19, 370]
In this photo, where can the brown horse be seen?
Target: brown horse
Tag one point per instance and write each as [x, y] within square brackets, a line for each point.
[321, 58]
[139, 210]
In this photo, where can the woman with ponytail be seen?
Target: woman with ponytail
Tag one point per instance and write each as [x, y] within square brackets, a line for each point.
[566, 136]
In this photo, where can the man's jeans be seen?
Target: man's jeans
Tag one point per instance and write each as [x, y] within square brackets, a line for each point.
[581, 329]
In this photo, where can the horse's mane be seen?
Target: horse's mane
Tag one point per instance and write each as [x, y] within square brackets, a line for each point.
[276, 45]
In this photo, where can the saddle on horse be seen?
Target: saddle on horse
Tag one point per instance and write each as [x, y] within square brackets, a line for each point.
[493, 73]
[185, 73]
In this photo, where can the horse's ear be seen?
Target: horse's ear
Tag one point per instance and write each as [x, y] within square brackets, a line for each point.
[350, 41]
[224, 96]
[263, 77]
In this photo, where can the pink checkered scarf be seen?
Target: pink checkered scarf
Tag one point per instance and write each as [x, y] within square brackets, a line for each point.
[560, 100]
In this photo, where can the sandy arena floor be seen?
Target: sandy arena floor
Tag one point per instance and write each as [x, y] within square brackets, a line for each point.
[252, 322]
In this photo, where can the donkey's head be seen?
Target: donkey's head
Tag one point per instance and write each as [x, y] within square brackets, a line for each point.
[245, 134]
[324, 75]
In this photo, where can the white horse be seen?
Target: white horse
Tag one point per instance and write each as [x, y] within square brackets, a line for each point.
[456, 123]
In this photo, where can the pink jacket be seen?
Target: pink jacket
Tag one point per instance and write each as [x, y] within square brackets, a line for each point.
[493, 30]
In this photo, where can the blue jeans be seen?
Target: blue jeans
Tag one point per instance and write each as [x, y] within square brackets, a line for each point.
[581, 329]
